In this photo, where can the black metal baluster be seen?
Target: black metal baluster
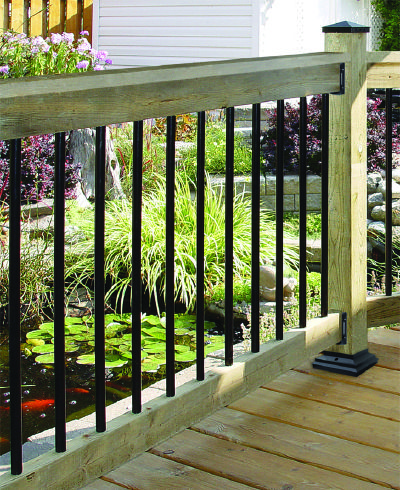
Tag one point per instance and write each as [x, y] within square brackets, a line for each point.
[229, 185]
[99, 283]
[303, 214]
[255, 229]
[280, 162]
[169, 256]
[59, 294]
[324, 204]
[14, 307]
[137, 163]
[201, 135]
[389, 163]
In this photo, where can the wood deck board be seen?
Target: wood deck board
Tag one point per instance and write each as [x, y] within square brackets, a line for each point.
[362, 399]
[307, 429]
[303, 445]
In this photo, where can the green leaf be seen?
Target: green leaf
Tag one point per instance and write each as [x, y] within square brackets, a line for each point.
[152, 320]
[43, 349]
[70, 320]
[150, 364]
[186, 356]
[48, 326]
[114, 360]
[156, 332]
[38, 334]
[45, 359]
[71, 347]
[155, 347]
[35, 341]
[86, 359]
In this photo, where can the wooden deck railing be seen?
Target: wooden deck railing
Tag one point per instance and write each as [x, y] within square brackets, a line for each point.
[59, 103]
[43, 17]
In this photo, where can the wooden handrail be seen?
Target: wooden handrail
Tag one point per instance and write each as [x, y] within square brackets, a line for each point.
[383, 69]
[38, 105]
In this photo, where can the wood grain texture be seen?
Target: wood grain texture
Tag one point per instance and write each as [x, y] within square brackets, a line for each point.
[88, 18]
[63, 102]
[246, 465]
[338, 394]
[383, 310]
[303, 445]
[17, 15]
[380, 379]
[384, 75]
[73, 17]
[129, 435]
[148, 470]
[348, 192]
[36, 19]
[385, 337]
[320, 417]
[55, 16]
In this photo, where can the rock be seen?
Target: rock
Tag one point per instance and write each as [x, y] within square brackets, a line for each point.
[375, 199]
[268, 285]
[395, 189]
[396, 175]
[373, 181]
[376, 229]
[378, 213]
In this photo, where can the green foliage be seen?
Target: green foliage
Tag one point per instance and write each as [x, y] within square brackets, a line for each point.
[292, 222]
[389, 11]
[118, 242]
[215, 153]
[79, 336]
[241, 291]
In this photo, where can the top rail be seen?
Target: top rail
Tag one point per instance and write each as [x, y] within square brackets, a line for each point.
[383, 69]
[38, 105]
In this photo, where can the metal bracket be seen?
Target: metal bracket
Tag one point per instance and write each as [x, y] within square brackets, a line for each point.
[344, 330]
[342, 72]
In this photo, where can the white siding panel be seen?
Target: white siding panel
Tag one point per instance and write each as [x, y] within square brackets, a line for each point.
[154, 32]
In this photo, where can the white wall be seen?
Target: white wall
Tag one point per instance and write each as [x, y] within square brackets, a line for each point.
[295, 26]
[154, 32]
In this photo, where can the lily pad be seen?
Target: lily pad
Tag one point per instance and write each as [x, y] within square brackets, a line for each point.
[45, 359]
[155, 347]
[38, 334]
[43, 349]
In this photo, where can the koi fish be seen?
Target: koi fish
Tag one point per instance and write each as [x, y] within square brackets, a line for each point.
[34, 405]
[3, 440]
[77, 390]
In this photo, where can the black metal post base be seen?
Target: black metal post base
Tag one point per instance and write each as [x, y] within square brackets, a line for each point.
[351, 365]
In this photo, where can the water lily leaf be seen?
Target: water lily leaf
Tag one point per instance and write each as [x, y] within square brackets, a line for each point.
[186, 356]
[83, 337]
[150, 364]
[181, 348]
[114, 341]
[71, 347]
[35, 341]
[157, 332]
[70, 320]
[85, 359]
[43, 349]
[49, 326]
[155, 347]
[38, 334]
[45, 359]
[152, 320]
[114, 360]
[77, 329]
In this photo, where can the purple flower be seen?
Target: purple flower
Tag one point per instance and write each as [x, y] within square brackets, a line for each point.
[83, 46]
[34, 50]
[56, 38]
[98, 68]
[68, 37]
[101, 55]
[37, 41]
[82, 64]
[108, 61]
[4, 69]
[45, 47]
[84, 33]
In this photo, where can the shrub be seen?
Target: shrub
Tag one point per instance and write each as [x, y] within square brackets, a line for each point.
[389, 12]
[376, 143]
[118, 242]
[37, 169]
[22, 56]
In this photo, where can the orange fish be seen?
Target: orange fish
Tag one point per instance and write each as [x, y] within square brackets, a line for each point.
[34, 405]
[77, 390]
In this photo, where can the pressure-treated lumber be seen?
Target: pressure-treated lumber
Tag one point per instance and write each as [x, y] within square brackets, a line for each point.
[348, 192]
[383, 310]
[18, 15]
[73, 17]
[346, 457]
[54, 103]
[55, 16]
[90, 456]
[383, 69]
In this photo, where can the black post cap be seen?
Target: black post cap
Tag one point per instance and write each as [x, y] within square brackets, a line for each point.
[345, 26]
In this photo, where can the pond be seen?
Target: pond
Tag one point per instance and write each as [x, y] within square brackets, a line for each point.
[38, 369]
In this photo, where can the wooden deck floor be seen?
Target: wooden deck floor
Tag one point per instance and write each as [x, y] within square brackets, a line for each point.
[307, 429]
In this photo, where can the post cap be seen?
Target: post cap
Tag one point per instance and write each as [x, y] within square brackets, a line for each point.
[345, 26]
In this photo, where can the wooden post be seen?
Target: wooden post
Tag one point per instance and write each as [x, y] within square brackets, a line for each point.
[348, 203]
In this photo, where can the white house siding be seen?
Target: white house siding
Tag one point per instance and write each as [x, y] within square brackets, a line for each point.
[155, 32]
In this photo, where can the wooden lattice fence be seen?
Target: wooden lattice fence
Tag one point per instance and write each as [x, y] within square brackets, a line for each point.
[42, 17]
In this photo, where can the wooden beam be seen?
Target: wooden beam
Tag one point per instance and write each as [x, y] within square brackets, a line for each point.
[17, 15]
[73, 17]
[36, 19]
[88, 18]
[348, 193]
[383, 70]
[30, 106]
[383, 310]
[93, 454]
